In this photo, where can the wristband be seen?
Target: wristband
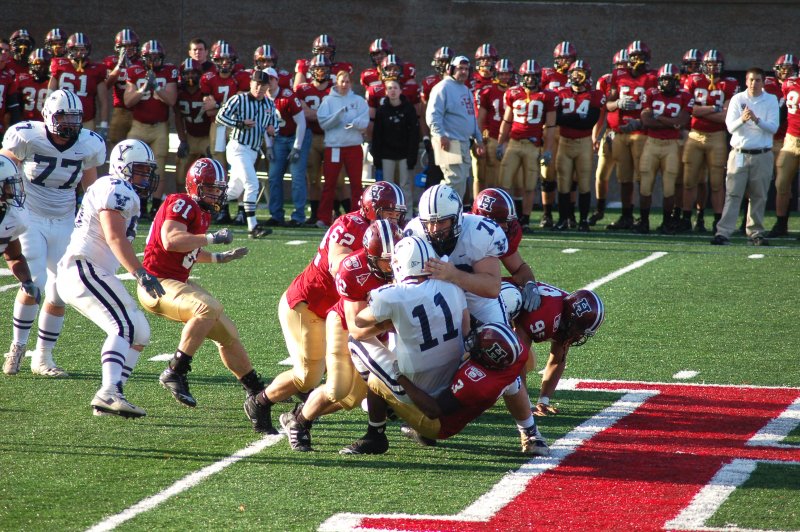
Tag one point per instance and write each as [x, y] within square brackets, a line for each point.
[104, 124]
[209, 238]
[426, 137]
[215, 257]
[545, 401]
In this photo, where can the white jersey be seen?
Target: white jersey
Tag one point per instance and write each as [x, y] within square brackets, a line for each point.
[13, 223]
[88, 241]
[427, 318]
[52, 172]
[480, 238]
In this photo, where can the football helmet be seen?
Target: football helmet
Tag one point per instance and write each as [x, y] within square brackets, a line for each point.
[495, 203]
[512, 299]
[324, 45]
[564, 55]
[133, 161]
[669, 77]
[582, 314]
[153, 54]
[12, 189]
[531, 74]
[55, 42]
[504, 72]
[63, 114]
[320, 68]
[190, 73]
[785, 67]
[379, 240]
[713, 63]
[224, 57]
[485, 57]
[638, 55]
[390, 69]
[378, 49]
[39, 64]
[692, 61]
[79, 47]
[128, 40]
[410, 256]
[21, 44]
[380, 198]
[206, 183]
[579, 73]
[493, 345]
[441, 60]
[620, 59]
[265, 56]
[438, 204]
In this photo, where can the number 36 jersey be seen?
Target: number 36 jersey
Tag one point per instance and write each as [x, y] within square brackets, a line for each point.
[52, 173]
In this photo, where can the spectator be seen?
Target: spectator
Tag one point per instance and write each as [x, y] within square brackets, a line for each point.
[198, 50]
[395, 138]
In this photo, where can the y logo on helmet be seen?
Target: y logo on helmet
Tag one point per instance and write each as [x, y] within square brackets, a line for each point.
[454, 197]
[581, 307]
[124, 149]
[487, 202]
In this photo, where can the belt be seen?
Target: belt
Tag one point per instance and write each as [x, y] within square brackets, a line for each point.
[753, 152]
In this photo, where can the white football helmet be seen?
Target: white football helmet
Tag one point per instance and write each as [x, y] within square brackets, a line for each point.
[512, 299]
[409, 258]
[63, 114]
[134, 161]
[12, 191]
[439, 203]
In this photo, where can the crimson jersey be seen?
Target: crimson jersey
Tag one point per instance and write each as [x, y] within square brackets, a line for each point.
[669, 106]
[32, 95]
[579, 103]
[6, 86]
[553, 79]
[288, 105]
[477, 82]
[119, 87]
[627, 85]
[376, 93]
[476, 389]
[530, 111]
[541, 324]
[312, 95]
[429, 83]
[773, 86]
[315, 284]
[301, 67]
[371, 76]
[150, 110]
[174, 264]
[514, 236]
[699, 86]
[213, 84]
[197, 122]
[791, 92]
[604, 85]
[83, 83]
[491, 98]
[354, 281]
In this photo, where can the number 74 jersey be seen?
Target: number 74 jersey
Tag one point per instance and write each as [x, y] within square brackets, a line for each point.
[52, 174]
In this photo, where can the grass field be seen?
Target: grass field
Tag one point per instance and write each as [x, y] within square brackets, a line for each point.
[730, 314]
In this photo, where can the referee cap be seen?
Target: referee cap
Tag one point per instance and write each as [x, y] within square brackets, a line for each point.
[260, 76]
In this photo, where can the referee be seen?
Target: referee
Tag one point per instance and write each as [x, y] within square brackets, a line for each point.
[254, 120]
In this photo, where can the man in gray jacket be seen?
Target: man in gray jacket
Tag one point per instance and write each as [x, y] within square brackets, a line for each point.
[451, 118]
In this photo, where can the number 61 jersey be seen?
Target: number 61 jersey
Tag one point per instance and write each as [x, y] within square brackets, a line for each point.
[52, 173]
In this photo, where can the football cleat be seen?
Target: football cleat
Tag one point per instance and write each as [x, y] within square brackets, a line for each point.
[562, 225]
[114, 402]
[299, 436]
[778, 230]
[546, 222]
[583, 226]
[260, 415]
[533, 442]
[413, 435]
[48, 368]
[699, 226]
[595, 217]
[13, 359]
[178, 385]
[369, 444]
[572, 223]
[641, 226]
[624, 223]
[259, 231]
[684, 225]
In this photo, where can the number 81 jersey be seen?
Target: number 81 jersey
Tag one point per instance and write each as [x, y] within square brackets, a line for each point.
[51, 173]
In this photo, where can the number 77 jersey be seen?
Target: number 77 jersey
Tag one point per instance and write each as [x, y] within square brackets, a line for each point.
[52, 174]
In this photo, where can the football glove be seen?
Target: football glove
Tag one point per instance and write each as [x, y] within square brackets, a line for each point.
[500, 151]
[150, 283]
[543, 410]
[183, 150]
[151, 81]
[626, 104]
[231, 254]
[531, 298]
[294, 155]
[546, 158]
[631, 126]
[223, 236]
[31, 290]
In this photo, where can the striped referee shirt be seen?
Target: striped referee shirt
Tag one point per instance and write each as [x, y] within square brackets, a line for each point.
[243, 107]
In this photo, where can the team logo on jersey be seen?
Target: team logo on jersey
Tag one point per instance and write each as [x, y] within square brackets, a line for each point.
[352, 263]
[474, 374]
[122, 201]
[581, 307]
[362, 278]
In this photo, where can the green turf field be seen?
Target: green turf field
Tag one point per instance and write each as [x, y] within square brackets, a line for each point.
[730, 314]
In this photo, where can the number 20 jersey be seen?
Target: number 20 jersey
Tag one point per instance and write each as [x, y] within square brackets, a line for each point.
[52, 174]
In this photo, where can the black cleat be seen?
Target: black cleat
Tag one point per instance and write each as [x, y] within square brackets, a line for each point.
[178, 384]
[625, 223]
[259, 231]
[684, 225]
[641, 226]
[562, 225]
[260, 415]
[369, 444]
[595, 217]
[571, 223]
[666, 228]
[413, 435]
[700, 226]
[778, 230]
[583, 226]
[527, 230]
[546, 222]
[299, 436]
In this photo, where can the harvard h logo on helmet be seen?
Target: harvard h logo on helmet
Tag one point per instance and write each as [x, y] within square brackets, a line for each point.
[494, 346]
[379, 241]
[206, 183]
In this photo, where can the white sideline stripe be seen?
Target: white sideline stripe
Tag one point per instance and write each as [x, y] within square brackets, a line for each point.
[163, 357]
[184, 484]
[685, 374]
[7, 287]
[622, 271]
[296, 242]
[4, 272]
[755, 256]
[513, 484]
[570, 250]
[778, 428]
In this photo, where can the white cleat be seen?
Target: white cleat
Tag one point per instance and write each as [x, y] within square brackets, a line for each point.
[114, 402]
[48, 370]
[533, 442]
[13, 359]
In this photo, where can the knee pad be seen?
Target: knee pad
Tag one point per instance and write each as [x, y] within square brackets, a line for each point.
[141, 328]
[513, 388]
[208, 308]
[549, 186]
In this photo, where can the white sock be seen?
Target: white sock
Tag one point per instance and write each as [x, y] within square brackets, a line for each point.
[115, 349]
[24, 315]
[525, 424]
[130, 362]
[49, 329]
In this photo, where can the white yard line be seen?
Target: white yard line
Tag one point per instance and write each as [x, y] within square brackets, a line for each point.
[622, 271]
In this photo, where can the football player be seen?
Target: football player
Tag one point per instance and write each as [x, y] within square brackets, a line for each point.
[126, 54]
[485, 58]
[55, 42]
[529, 122]
[665, 111]
[176, 241]
[77, 73]
[786, 86]
[102, 241]
[192, 123]
[322, 45]
[304, 307]
[266, 56]
[21, 43]
[30, 87]
[57, 154]
[490, 102]
[691, 63]
[378, 50]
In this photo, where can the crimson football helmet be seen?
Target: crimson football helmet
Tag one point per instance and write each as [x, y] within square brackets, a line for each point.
[190, 73]
[579, 73]
[582, 313]
[440, 203]
[320, 68]
[692, 61]
[390, 68]
[12, 189]
[126, 39]
[39, 64]
[441, 60]
[378, 49]
[713, 63]
[324, 45]
[669, 77]
[21, 44]
[379, 241]
[485, 57]
[497, 204]
[638, 55]
[55, 42]
[153, 54]
[79, 46]
[493, 346]
[265, 56]
[379, 199]
[206, 183]
[531, 74]
[224, 57]
[504, 72]
[785, 67]
[620, 59]
[564, 55]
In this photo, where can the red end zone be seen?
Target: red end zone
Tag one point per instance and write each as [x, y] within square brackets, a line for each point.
[636, 465]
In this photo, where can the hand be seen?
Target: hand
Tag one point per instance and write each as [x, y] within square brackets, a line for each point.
[718, 108]
[31, 290]
[102, 131]
[270, 154]
[626, 104]
[232, 254]
[546, 158]
[149, 283]
[223, 236]
[631, 126]
[395, 371]
[427, 143]
[122, 61]
[442, 270]
[183, 149]
[543, 410]
[379, 174]
[445, 142]
[480, 150]
[531, 298]
[500, 151]
[248, 123]
[151, 81]
[271, 130]
[294, 155]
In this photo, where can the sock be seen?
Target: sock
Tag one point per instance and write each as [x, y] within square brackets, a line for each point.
[783, 221]
[548, 210]
[252, 383]
[346, 204]
[376, 429]
[23, 321]
[301, 419]
[49, 328]
[263, 400]
[250, 214]
[112, 357]
[181, 363]
[700, 213]
[584, 202]
[563, 206]
[525, 424]
[525, 219]
[314, 204]
[687, 215]
[601, 205]
[717, 216]
[130, 362]
[627, 212]
[303, 396]
[336, 205]
[644, 214]
[518, 205]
